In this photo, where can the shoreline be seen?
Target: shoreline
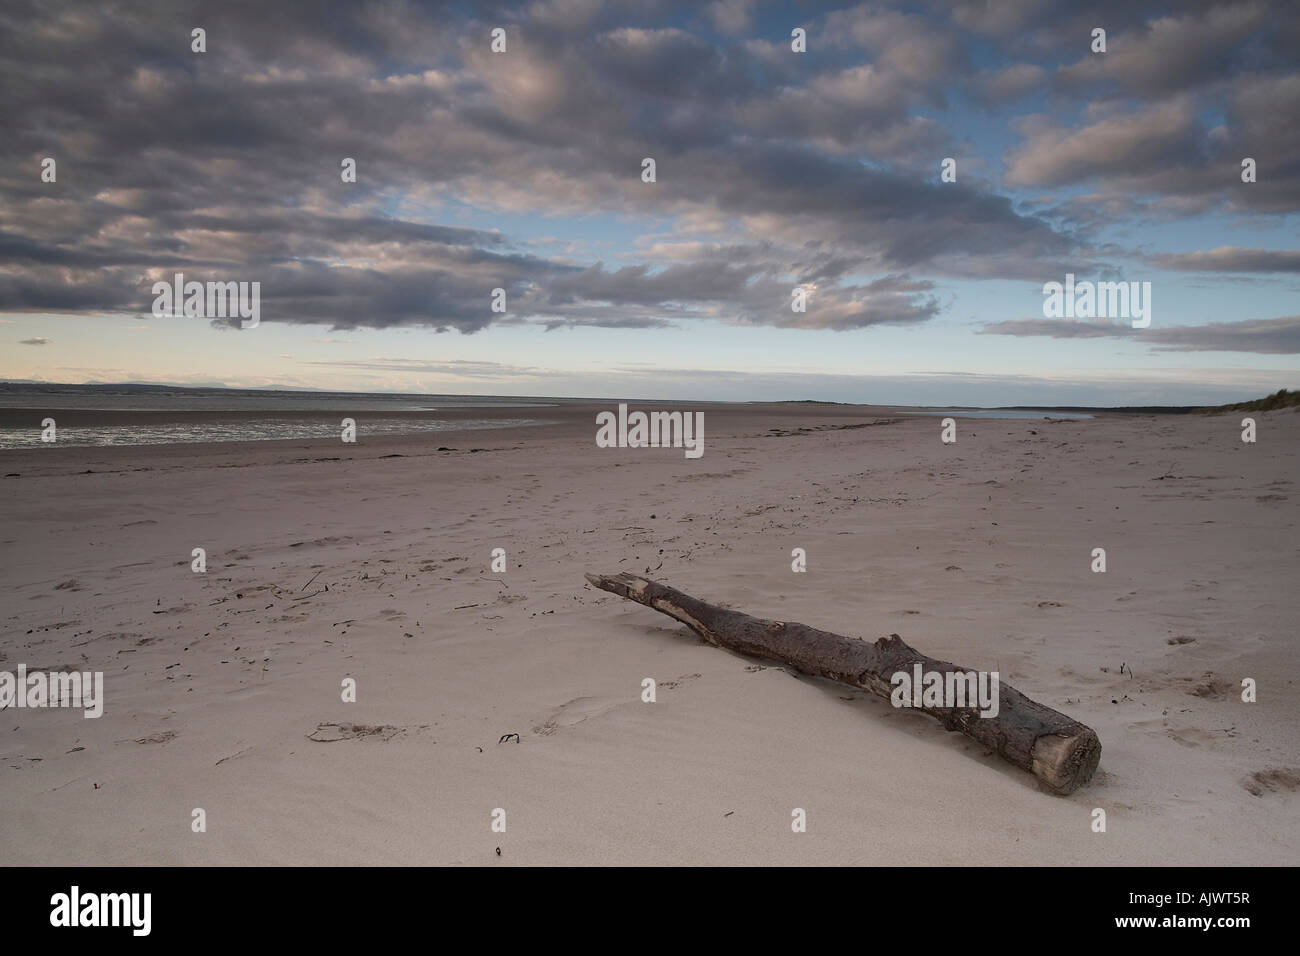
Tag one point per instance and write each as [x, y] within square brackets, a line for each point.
[562, 422]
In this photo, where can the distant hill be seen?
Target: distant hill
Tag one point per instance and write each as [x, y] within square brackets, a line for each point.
[1279, 399]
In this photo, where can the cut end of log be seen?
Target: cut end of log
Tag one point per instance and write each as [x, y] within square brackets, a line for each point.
[1065, 763]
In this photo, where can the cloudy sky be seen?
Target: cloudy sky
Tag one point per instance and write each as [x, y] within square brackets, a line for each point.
[775, 169]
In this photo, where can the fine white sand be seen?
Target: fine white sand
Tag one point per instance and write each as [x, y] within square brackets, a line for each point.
[977, 552]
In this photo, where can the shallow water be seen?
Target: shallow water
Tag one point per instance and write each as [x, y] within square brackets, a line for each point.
[168, 433]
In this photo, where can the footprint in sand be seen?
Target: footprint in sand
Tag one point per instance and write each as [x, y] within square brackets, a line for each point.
[1211, 686]
[176, 609]
[575, 712]
[585, 708]
[670, 684]
[1195, 737]
[332, 733]
[1272, 781]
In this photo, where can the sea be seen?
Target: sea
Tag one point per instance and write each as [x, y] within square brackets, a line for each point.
[261, 414]
[270, 414]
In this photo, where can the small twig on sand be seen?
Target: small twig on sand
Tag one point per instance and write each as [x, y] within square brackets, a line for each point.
[312, 578]
[232, 756]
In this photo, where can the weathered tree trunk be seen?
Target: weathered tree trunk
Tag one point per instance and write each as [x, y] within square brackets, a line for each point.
[1062, 753]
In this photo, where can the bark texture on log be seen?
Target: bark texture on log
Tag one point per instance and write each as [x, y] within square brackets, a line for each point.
[1061, 752]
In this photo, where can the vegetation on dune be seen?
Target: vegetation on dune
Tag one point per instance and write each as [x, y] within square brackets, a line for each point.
[1279, 399]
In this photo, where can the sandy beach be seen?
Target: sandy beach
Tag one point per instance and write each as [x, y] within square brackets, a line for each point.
[371, 561]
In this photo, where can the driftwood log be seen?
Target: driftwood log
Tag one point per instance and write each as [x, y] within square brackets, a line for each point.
[1062, 753]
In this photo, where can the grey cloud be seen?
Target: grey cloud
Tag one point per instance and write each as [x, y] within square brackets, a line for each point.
[1230, 259]
[603, 321]
[1186, 48]
[458, 368]
[1060, 328]
[732, 16]
[1007, 84]
[1261, 336]
[1150, 132]
[1165, 138]
[1280, 336]
[225, 165]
